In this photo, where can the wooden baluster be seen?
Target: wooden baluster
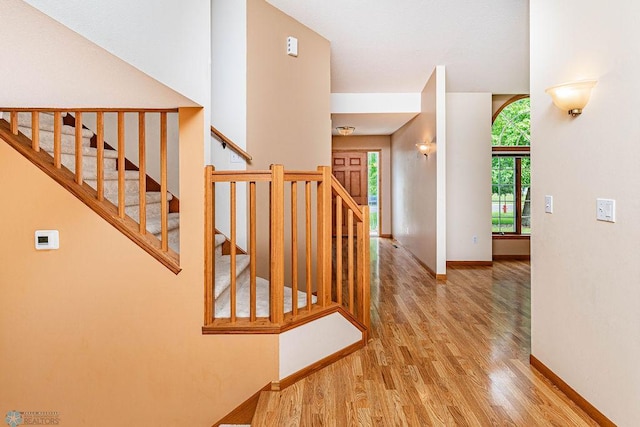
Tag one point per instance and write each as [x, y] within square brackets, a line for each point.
[366, 294]
[57, 139]
[121, 165]
[79, 147]
[35, 130]
[359, 285]
[100, 155]
[164, 213]
[14, 122]
[294, 247]
[339, 249]
[252, 250]
[323, 237]
[276, 235]
[232, 267]
[350, 257]
[307, 199]
[142, 160]
[209, 238]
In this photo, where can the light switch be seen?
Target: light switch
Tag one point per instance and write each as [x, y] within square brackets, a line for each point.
[606, 210]
[235, 158]
[548, 204]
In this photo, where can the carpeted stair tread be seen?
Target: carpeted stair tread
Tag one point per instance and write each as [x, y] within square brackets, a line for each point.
[110, 175]
[47, 137]
[222, 305]
[154, 227]
[219, 239]
[46, 124]
[152, 209]
[86, 151]
[150, 197]
[69, 147]
[222, 269]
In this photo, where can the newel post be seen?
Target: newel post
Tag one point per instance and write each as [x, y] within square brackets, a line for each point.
[324, 237]
[276, 238]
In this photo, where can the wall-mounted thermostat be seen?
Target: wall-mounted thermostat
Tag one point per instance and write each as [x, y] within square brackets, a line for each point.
[47, 239]
[292, 46]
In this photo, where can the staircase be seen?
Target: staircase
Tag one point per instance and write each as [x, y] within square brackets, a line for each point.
[100, 176]
[317, 299]
[89, 173]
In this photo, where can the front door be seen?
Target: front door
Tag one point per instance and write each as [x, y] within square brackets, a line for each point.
[350, 169]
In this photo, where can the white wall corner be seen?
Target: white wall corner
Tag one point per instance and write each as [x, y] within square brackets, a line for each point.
[441, 180]
[307, 344]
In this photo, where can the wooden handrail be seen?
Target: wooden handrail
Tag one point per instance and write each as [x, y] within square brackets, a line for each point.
[88, 110]
[226, 141]
[339, 190]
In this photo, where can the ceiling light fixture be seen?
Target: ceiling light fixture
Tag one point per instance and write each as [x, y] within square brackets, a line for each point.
[572, 97]
[345, 130]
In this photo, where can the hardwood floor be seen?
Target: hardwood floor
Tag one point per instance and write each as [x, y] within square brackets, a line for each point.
[445, 353]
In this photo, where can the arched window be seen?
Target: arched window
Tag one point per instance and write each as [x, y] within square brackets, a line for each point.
[511, 168]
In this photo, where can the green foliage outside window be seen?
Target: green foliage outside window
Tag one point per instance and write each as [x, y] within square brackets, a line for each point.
[511, 128]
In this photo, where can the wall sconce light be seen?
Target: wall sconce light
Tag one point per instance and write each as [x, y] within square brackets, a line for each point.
[424, 148]
[345, 130]
[572, 97]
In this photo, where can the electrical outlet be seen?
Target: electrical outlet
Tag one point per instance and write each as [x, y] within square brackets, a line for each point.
[475, 240]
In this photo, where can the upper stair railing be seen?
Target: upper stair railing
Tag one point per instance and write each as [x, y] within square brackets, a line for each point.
[226, 141]
[55, 140]
[333, 277]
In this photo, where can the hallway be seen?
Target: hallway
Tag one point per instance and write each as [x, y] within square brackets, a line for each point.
[446, 353]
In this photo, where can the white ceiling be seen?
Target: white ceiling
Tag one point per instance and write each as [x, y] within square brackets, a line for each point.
[371, 124]
[380, 46]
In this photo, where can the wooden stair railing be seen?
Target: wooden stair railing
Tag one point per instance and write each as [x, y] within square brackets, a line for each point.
[331, 271]
[75, 181]
[226, 141]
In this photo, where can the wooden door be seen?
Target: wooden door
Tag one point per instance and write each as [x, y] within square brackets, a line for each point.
[350, 169]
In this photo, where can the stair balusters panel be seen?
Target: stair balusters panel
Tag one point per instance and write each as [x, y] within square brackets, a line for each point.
[121, 162]
[290, 266]
[350, 254]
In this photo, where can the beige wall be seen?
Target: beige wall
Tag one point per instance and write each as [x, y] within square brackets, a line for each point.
[468, 177]
[288, 99]
[413, 184]
[288, 105]
[374, 142]
[585, 276]
[101, 332]
[516, 248]
[33, 41]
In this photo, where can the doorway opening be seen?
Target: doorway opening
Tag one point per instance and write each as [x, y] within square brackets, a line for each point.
[373, 181]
